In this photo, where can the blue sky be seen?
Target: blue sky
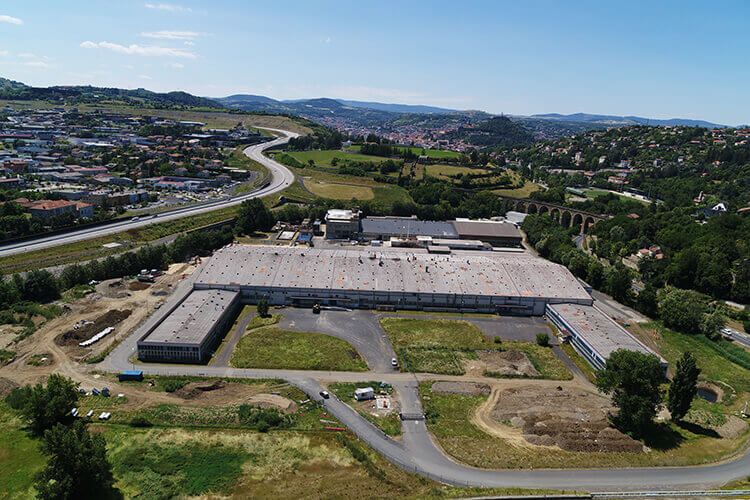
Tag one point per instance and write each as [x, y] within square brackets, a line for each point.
[658, 59]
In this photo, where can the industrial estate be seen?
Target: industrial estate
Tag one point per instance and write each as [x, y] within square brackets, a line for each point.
[249, 297]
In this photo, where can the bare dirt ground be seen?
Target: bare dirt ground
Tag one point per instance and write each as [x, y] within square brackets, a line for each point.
[220, 393]
[732, 428]
[66, 360]
[567, 417]
[465, 388]
[507, 363]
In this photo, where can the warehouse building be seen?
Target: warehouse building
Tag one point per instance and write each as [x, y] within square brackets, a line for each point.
[593, 334]
[496, 233]
[385, 228]
[392, 278]
[191, 330]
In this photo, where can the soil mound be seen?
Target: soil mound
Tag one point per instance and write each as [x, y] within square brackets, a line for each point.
[572, 419]
[6, 385]
[511, 363]
[89, 329]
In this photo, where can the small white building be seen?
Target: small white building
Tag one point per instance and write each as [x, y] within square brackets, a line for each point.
[364, 393]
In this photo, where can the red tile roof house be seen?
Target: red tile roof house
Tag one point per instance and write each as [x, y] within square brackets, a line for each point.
[45, 209]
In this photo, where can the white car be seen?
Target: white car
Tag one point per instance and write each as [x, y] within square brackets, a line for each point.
[394, 362]
[324, 394]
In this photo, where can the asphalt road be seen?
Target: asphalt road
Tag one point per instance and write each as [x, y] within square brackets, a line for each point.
[417, 452]
[359, 328]
[281, 177]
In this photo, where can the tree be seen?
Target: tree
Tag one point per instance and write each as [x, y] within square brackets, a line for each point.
[632, 378]
[681, 309]
[254, 216]
[77, 466]
[40, 286]
[711, 324]
[683, 387]
[618, 282]
[47, 406]
[262, 307]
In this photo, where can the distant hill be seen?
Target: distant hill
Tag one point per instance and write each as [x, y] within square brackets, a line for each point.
[495, 132]
[88, 94]
[613, 120]
[397, 108]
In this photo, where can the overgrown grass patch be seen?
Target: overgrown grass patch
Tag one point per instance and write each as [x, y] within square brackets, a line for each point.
[431, 360]
[20, 457]
[440, 333]
[543, 359]
[273, 347]
[719, 361]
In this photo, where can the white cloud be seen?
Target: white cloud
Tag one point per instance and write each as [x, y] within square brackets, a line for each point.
[172, 35]
[139, 50]
[26, 55]
[176, 65]
[145, 77]
[188, 43]
[37, 64]
[169, 7]
[327, 40]
[4, 53]
[10, 20]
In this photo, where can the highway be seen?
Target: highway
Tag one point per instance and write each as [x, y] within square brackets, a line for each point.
[281, 177]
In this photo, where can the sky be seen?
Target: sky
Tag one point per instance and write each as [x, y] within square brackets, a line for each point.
[658, 59]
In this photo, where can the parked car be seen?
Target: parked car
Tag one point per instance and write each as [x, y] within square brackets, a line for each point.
[394, 362]
[324, 394]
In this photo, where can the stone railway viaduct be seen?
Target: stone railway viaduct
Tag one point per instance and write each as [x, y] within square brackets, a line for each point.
[566, 216]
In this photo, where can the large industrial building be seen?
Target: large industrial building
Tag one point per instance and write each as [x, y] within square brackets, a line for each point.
[506, 282]
[594, 334]
[397, 278]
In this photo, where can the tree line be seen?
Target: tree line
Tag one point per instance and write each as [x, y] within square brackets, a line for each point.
[42, 286]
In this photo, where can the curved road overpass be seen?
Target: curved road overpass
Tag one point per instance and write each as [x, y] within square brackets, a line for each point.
[281, 178]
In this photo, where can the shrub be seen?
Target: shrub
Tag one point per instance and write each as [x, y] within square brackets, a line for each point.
[140, 422]
[173, 384]
[542, 339]
[262, 419]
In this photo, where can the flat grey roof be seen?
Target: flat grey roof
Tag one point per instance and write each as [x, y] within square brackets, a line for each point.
[392, 270]
[600, 331]
[486, 229]
[193, 318]
[404, 226]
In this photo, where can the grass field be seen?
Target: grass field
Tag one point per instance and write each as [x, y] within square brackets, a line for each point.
[272, 347]
[713, 357]
[522, 192]
[180, 462]
[441, 346]
[345, 187]
[446, 171]
[431, 153]
[390, 424]
[323, 158]
[338, 191]
[20, 458]
[449, 420]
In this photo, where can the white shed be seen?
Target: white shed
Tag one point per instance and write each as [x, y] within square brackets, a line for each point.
[364, 393]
